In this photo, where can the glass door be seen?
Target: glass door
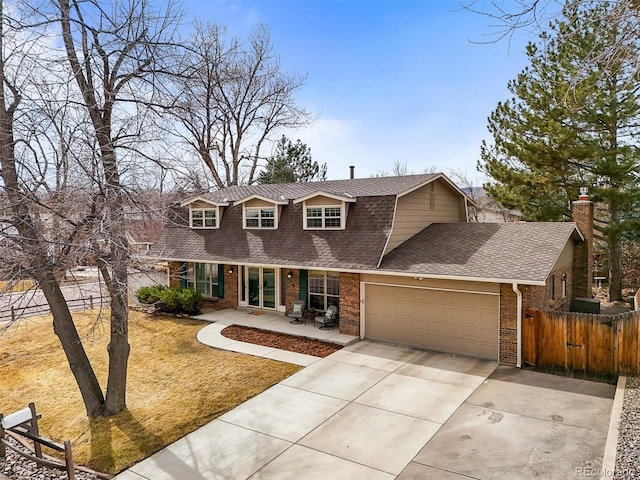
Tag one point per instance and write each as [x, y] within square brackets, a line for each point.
[254, 286]
[269, 287]
[262, 287]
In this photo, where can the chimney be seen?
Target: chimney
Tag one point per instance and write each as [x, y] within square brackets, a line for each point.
[582, 213]
[352, 172]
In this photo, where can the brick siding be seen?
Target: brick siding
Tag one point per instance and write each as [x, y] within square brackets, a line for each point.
[582, 211]
[349, 308]
[230, 299]
[508, 325]
[291, 289]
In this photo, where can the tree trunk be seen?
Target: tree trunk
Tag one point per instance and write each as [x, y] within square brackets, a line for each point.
[615, 254]
[67, 333]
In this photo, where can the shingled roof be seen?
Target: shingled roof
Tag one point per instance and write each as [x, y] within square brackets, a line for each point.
[521, 252]
[359, 246]
[358, 187]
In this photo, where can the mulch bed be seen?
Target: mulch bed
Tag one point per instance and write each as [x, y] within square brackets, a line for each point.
[292, 343]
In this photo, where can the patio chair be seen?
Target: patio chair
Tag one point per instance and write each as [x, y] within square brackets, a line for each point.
[328, 320]
[297, 312]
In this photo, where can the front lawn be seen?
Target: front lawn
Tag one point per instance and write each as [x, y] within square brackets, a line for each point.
[175, 385]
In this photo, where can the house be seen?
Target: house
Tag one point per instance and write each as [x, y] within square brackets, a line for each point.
[395, 254]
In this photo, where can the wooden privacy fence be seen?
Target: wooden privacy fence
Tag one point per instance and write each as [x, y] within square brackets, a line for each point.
[589, 345]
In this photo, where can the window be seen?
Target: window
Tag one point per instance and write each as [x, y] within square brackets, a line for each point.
[323, 217]
[324, 289]
[203, 277]
[260, 217]
[203, 218]
[564, 285]
[552, 287]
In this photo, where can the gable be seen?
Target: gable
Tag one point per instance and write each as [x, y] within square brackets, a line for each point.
[435, 202]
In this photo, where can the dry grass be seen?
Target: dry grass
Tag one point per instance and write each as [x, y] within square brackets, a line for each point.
[15, 286]
[175, 385]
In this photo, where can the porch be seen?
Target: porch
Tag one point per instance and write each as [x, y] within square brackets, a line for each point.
[264, 320]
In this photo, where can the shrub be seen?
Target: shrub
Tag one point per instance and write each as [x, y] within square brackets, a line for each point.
[151, 294]
[171, 300]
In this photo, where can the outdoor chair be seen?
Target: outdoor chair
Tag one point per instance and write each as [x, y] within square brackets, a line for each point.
[328, 320]
[297, 312]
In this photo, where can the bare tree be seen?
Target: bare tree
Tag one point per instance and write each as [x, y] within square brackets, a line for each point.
[230, 100]
[68, 154]
[535, 15]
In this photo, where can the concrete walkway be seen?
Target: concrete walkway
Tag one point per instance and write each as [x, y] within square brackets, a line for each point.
[211, 334]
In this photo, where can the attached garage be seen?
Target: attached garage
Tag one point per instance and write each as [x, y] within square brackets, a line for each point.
[460, 322]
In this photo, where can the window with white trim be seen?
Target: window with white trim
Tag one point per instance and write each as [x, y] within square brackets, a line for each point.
[259, 217]
[203, 217]
[323, 217]
[324, 289]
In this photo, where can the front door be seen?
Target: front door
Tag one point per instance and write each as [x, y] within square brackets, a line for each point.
[261, 287]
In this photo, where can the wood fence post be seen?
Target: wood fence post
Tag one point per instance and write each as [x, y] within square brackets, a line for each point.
[13, 314]
[3, 450]
[37, 448]
[68, 460]
[90, 302]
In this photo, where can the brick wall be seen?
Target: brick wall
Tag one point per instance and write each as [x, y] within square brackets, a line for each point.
[291, 289]
[508, 325]
[539, 297]
[230, 299]
[582, 211]
[174, 274]
[349, 308]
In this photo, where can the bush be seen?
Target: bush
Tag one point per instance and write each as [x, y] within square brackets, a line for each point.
[151, 294]
[171, 300]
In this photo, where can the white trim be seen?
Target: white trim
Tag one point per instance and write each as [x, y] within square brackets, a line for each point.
[373, 272]
[440, 289]
[276, 215]
[320, 193]
[203, 209]
[433, 179]
[518, 325]
[264, 199]
[393, 224]
[343, 215]
[363, 306]
[200, 199]
[553, 265]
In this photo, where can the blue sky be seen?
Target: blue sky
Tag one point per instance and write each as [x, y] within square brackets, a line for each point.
[387, 79]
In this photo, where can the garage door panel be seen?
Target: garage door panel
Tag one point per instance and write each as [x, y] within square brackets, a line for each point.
[457, 322]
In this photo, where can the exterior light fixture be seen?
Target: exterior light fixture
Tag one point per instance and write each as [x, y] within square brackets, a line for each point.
[230, 270]
[289, 274]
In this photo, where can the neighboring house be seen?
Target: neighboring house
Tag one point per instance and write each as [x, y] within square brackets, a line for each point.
[396, 254]
[142, 233]
[486, 209]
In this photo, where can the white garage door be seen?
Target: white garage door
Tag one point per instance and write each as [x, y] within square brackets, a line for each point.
[447, 321]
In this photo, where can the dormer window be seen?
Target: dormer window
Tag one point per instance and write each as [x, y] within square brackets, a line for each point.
[203, 217]
[318, 217]
[325, 211]
[263, 217]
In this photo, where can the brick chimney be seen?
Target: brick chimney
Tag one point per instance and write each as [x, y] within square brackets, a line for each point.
[582, 213]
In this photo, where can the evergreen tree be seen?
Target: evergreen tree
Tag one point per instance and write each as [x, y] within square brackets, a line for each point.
[567, 127]
[292, 162]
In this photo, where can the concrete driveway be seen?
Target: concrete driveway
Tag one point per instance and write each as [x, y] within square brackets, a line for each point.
[521, 424]
[376, 411]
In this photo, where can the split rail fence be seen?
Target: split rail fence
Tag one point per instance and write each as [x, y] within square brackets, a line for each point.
[584, 345]
[14, 313]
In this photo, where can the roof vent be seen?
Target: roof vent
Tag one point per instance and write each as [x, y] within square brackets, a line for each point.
[352, 172]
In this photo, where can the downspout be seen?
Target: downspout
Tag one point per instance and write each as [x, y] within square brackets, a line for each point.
[518, 324]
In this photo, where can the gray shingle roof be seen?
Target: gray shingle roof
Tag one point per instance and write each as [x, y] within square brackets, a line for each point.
[358, 187]
[507, 251]
[359, 246]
